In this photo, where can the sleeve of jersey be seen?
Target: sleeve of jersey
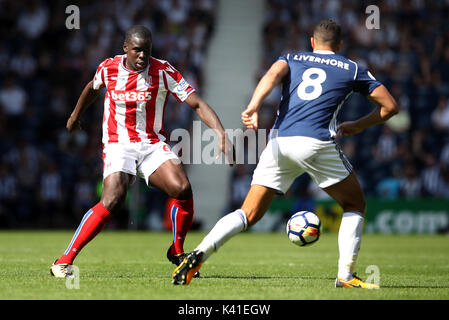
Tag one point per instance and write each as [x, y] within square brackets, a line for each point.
[284, 57]
[177, 85]
[365, 82]
[99, 81]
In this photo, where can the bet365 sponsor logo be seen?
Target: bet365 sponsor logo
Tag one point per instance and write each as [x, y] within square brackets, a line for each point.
[130, 96]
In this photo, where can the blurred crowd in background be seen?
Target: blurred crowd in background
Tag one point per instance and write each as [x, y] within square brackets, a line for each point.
[49, 178]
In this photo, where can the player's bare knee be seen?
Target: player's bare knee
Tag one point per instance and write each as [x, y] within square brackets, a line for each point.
[112, 204]
[182, 191]
[113, 201]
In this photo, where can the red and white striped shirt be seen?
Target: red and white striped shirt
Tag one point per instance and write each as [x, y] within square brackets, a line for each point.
[135, 100]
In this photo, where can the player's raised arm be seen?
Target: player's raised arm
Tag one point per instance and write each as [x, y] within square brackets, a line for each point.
[386, 107]
[86, 98]
[271, 79]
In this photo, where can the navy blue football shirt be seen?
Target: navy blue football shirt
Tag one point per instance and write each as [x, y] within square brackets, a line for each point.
[314, 90]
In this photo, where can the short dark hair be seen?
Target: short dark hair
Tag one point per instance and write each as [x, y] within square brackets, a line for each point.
[138, 31]
[329, 32]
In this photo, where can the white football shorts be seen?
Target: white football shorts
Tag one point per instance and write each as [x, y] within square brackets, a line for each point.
[137, 158]
[286, 158]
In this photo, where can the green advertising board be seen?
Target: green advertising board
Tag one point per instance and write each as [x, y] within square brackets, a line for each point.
[407, 215]
[401, 216]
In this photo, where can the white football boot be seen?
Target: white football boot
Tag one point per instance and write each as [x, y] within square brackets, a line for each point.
[61, 270]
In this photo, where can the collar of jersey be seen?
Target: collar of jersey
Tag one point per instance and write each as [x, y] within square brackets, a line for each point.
[324, 51]
[129, 70]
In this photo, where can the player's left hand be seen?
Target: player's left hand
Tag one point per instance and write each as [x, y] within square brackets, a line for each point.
[348, 128]
[227, 148]
[73, 124]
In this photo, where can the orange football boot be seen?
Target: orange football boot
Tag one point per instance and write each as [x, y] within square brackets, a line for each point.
[355, 282]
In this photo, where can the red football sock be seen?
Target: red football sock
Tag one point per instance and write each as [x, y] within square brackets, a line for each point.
[181, 214]
[92, 223]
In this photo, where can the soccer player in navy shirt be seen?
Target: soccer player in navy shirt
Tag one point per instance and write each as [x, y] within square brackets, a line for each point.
[315, 85]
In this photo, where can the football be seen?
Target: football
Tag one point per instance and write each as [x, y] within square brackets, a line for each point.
[304, 228]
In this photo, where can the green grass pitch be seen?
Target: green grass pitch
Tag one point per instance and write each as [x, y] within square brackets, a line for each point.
[251, 266]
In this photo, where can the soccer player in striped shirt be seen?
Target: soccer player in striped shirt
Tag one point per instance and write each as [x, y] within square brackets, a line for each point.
[138, 86]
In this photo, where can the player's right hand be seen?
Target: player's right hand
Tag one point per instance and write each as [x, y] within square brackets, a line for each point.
[250, 118]
[73, 124]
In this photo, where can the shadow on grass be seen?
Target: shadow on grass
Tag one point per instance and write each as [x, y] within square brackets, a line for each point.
[262, 277]
[315, 278]
[415, 287]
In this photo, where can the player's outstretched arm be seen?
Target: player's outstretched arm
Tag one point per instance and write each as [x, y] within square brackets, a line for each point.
[210, 118]
[86, 98]
[271, 79]
[386, 107]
